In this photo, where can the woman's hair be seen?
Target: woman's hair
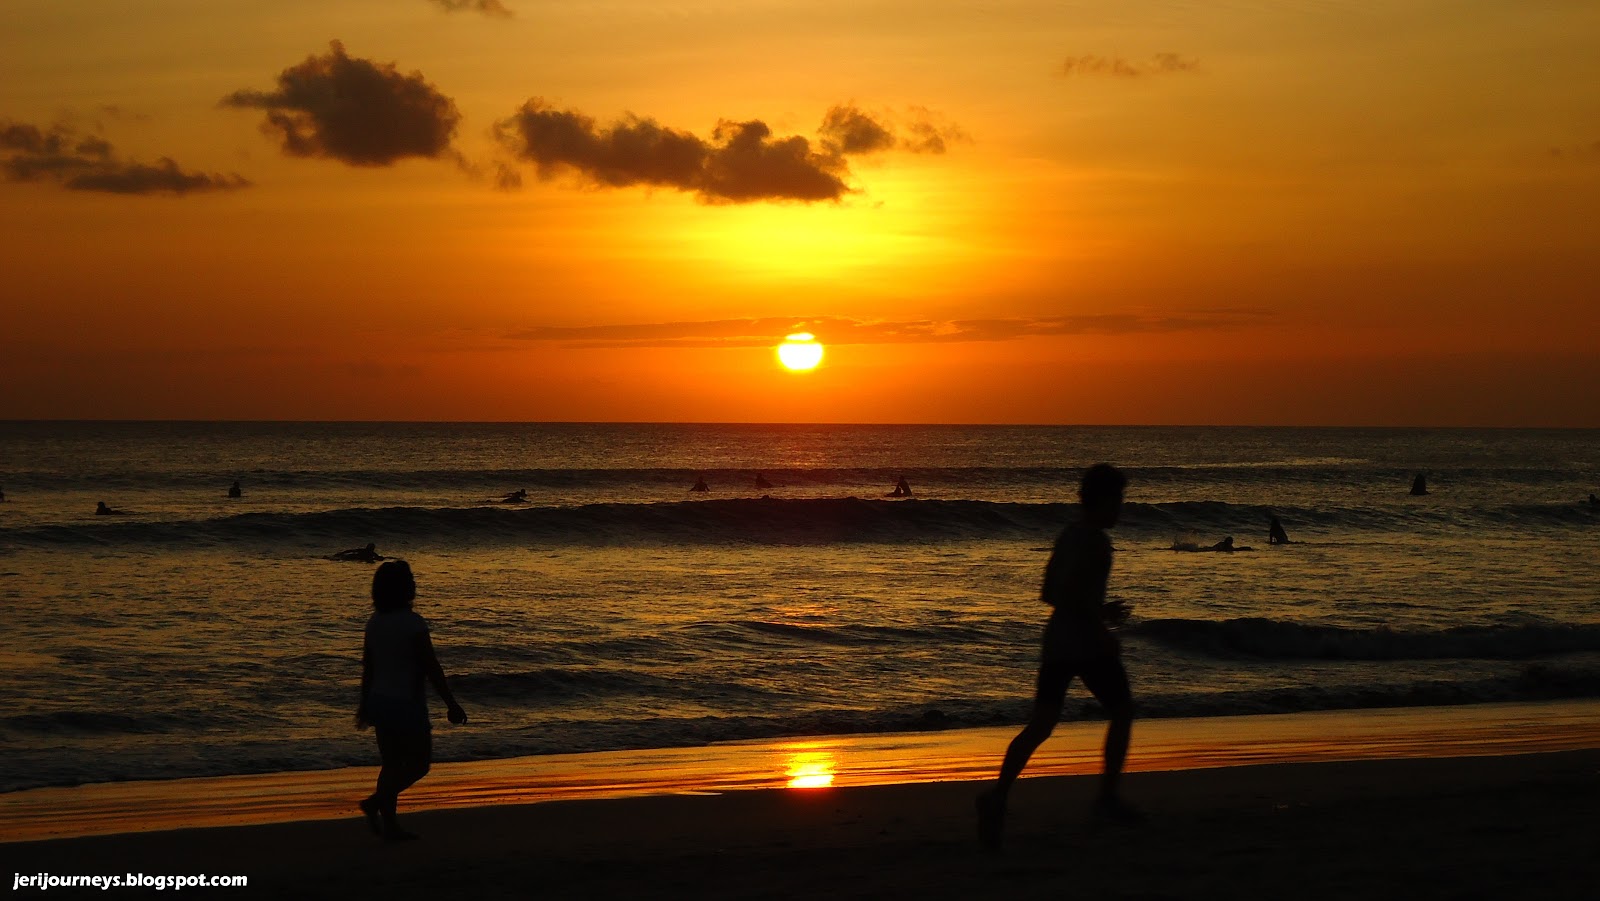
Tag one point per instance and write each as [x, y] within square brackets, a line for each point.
[393, 587]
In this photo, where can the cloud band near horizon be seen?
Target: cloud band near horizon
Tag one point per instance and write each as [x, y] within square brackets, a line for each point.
[845, 331]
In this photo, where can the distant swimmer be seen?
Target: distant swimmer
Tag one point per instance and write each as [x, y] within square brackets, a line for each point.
[520, 496]
[761, 482]
[1419, 485]
[1275, 532]
[1592, 499]
[1225, 546]
[100, 509]
[3, 497]
[700, 484]
[902, 488]
[368, 554]
[235, 491]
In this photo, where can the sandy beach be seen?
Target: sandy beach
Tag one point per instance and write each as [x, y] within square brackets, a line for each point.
[1492, 827]
[1515, 822]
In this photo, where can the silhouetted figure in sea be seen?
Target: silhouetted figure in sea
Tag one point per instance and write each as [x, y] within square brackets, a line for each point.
[1275, 532]
[1225, 546]
[1592, 499]
[396, 657]
[1419, 485]
[100, 509]
[520, 496]
[761, 481]
[902, 488]
[368, 554]
[3, 497]
[1078, 641]
[235, 491]
[700, 484]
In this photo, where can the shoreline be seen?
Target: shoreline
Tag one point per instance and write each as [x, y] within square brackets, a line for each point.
[1457, 827]
[818, 763]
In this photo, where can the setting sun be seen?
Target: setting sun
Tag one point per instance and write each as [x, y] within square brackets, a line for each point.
[800, 352]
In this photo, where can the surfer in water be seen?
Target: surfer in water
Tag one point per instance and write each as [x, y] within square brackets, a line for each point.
[1225, 546]
[1419, 485]
[1275, 532]
[700, 484]
[368, 554]
[100, 509]
[235, 491]
[520, 496]
[761, 481]
[1595, 501]
[902, 488]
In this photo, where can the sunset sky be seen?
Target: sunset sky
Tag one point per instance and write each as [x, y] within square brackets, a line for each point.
[1110, 212]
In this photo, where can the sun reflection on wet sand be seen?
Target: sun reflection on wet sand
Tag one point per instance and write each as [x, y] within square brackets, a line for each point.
[811, 766]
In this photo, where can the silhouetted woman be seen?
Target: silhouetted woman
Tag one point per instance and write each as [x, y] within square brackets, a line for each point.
[395, 660]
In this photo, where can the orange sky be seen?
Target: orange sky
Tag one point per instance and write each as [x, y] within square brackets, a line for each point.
[1047, 212]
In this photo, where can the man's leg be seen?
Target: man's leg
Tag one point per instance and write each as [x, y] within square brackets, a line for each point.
[1108, 682]
[1048, 696]
[1046, 713]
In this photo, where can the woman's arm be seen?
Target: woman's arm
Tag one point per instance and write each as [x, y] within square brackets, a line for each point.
[435, 673]
[366, 682]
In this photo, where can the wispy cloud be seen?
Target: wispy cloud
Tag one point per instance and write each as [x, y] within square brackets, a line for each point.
[81, 161]
[741, 162]
[487, 7]
[354, 110]
[842, 330]
[1117, 67]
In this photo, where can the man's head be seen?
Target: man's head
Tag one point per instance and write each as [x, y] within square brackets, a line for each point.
[1101, 493]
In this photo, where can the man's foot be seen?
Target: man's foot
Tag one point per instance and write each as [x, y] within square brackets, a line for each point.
[1117, 812]
[369, 806]
[991, 819]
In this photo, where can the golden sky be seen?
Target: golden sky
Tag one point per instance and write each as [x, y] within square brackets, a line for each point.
[1231, 212]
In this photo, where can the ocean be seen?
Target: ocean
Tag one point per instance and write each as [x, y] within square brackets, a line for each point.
[205, 635]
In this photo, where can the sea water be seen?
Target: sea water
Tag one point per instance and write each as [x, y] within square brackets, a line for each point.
[201, 635]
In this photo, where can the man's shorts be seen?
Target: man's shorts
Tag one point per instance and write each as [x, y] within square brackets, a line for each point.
[1065, 655]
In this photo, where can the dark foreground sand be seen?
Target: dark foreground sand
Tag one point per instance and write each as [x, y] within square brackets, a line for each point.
[1521, 826]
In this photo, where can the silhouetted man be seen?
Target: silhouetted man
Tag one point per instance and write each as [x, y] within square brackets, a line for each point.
[1077, 642]
[235, 491]
[1275, 532]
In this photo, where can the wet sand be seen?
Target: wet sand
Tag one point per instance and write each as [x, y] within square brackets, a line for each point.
[1510, 824]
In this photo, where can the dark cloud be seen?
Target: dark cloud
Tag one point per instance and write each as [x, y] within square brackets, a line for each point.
[742, 162]
[840, 330]
[849, 130]
[354, 110]
[87, 162]
[929, 133]
[1117, 67]
[487, 7]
